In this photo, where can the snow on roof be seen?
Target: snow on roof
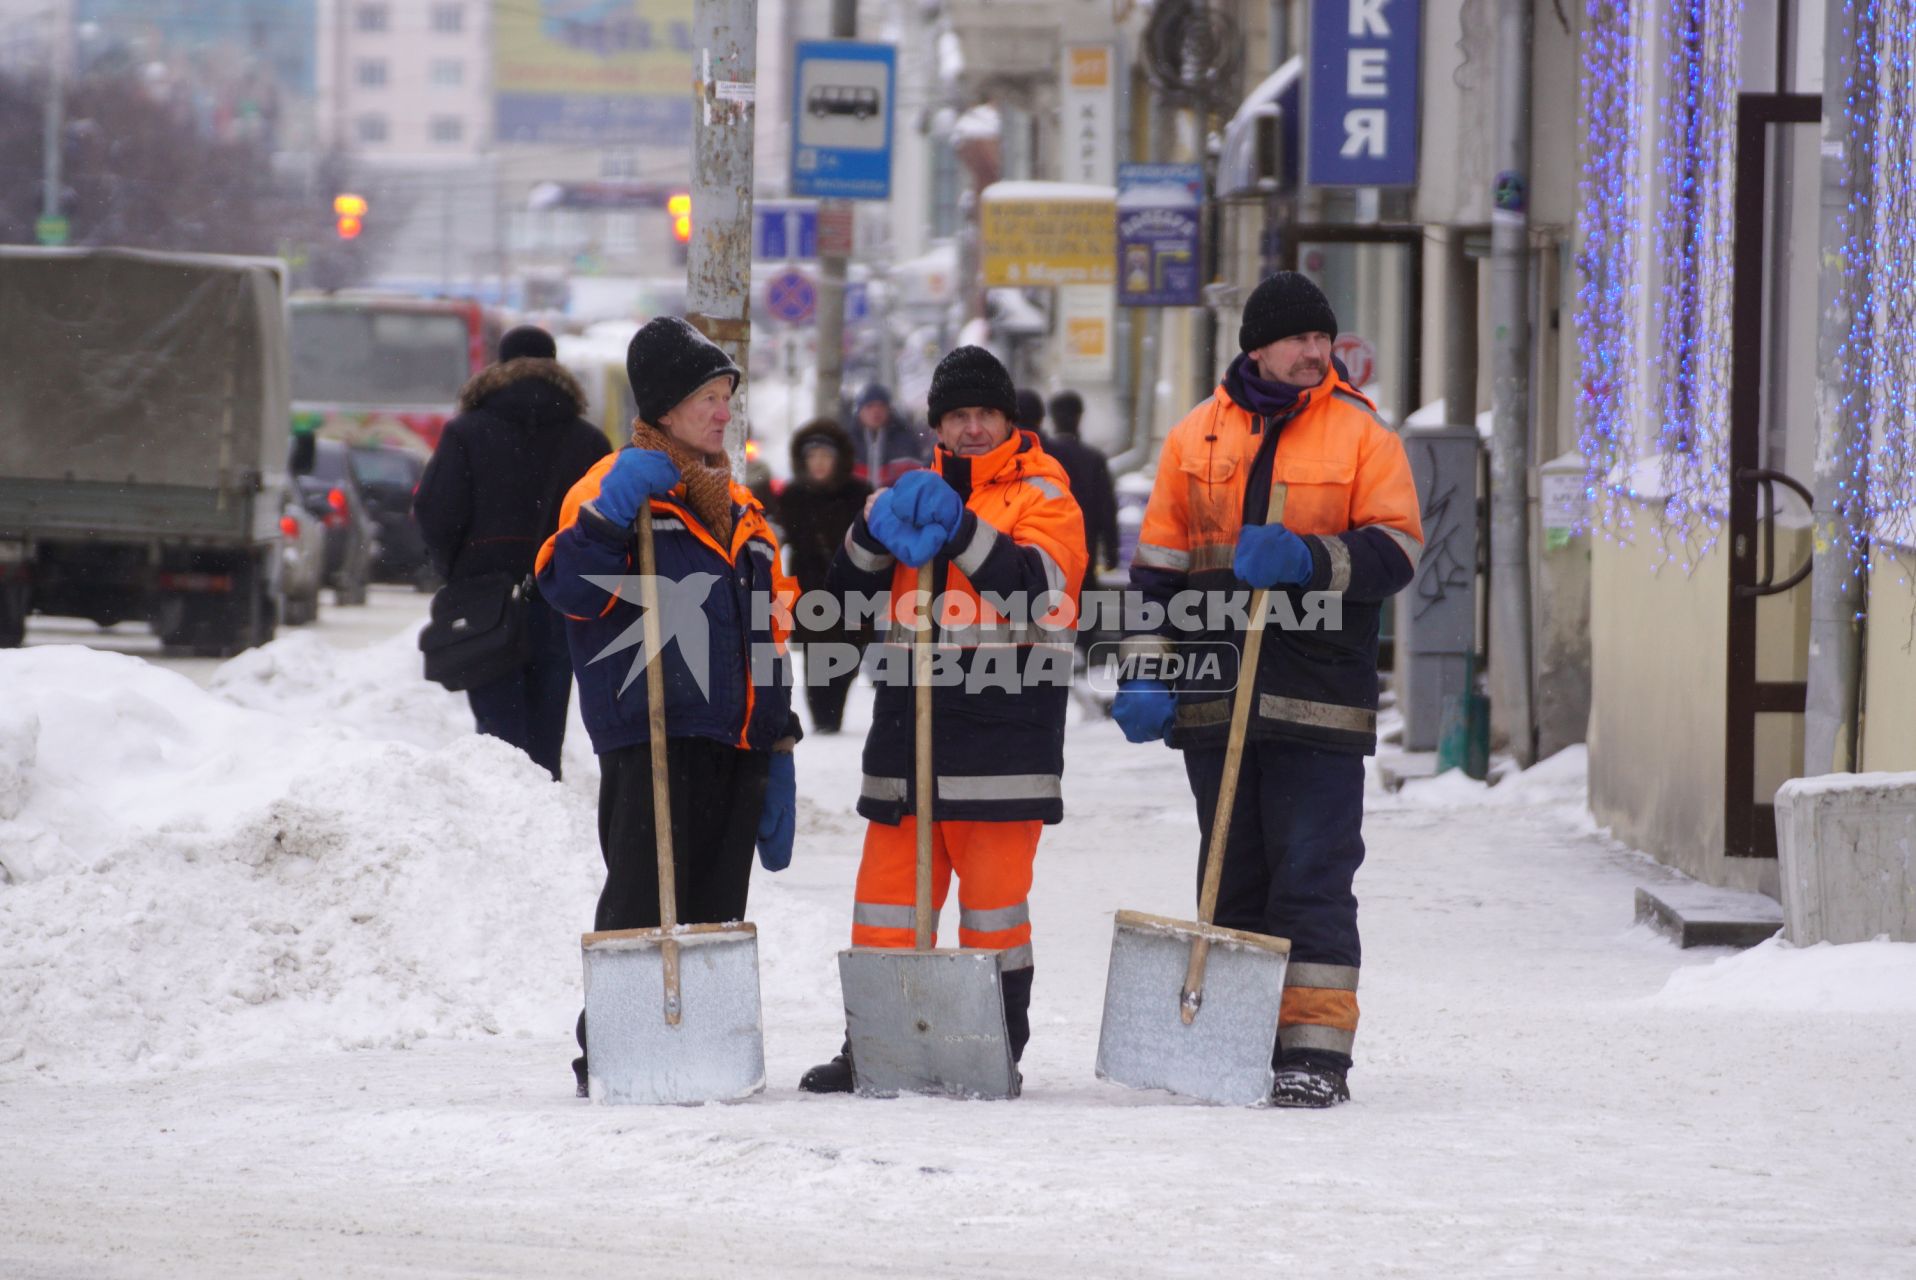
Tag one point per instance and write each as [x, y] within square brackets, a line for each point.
[1051, 191]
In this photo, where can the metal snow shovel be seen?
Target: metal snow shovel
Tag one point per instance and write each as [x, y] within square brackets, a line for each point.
[672, 1013]
[1189, 1006]
[926, 1020]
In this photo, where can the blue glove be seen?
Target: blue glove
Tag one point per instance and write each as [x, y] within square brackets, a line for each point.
[1144, 709]
[1269, 555]
[899, 535]
[779, 822]
[636, 475]
[927, 500]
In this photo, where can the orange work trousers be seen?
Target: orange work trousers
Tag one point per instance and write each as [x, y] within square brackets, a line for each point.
[993, 861]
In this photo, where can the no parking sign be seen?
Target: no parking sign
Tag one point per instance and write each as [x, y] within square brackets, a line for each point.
[791, 297]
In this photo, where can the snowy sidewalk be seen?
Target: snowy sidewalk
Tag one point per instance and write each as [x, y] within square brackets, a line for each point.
[286, 979]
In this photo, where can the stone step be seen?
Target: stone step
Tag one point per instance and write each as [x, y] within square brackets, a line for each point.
[1701, 915]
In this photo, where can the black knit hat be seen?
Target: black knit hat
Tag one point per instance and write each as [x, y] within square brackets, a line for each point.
[1283, 306]
[667, 361]
[1030, 413]
[528, 341]
[970, 378]
[874, 393]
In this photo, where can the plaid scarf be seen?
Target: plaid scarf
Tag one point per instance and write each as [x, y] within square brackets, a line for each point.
[705, 477]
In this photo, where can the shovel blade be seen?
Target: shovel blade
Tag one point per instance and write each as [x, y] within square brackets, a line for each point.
[716, 1050]
[1224, 1055]
[927, 1022]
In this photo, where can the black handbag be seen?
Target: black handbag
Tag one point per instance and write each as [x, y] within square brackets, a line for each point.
[478, 631]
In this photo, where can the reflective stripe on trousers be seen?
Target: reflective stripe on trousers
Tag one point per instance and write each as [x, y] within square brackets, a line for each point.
[1319, 1009]
[993, 861]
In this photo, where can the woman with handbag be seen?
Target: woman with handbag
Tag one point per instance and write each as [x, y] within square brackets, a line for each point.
[487, 501]
[730, 727]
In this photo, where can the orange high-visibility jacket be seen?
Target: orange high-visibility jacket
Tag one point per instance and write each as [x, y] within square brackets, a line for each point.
[998, 735]
[1348, 489]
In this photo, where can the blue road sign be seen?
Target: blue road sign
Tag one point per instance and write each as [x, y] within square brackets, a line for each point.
[791, 297]
[841, 119]
[1362, 88]
[784, 231]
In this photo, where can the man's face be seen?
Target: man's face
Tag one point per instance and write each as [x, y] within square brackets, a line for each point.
[970, 432]
[1302, 361]
[698, 421]
[874, 415]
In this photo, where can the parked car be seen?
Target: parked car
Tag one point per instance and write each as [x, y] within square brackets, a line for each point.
[389, 477]
[302, 563]
[330, 492]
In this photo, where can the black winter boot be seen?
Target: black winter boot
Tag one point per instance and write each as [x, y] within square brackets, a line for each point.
[579, 1063]
[1017, 988]
[1311, 1080]
[830, 1077]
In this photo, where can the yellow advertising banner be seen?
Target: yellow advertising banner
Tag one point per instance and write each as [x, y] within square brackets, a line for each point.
[593, 71]
[1049, 242]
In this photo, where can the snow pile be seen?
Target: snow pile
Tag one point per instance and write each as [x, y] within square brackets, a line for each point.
[1856, 978]
[187, 878]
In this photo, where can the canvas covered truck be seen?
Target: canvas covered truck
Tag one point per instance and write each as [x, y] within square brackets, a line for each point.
[144, 413]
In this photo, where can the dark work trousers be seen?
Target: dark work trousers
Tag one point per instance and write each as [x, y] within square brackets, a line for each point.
[718, 794]
[825, 693]
[1295, 845]
[528, 707]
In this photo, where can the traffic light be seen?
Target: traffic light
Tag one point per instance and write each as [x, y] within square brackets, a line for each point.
[348, 213]
[680, 207]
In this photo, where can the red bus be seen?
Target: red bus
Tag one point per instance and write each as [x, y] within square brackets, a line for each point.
[384, 369]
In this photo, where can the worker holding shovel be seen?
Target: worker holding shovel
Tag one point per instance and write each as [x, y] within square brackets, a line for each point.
[729, 725]
[1285, 480]
[994, 519]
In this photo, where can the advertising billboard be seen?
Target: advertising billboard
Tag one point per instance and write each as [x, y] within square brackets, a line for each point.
[593, 71]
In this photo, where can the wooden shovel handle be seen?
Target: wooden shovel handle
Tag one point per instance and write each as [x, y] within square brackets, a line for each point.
[661, 787]
[921, 691]
[1193, 994]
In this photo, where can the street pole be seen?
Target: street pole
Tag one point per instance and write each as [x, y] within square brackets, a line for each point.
[1510, 683]
[718, 273]
[831, 266]
[1838, 587]
[55, 122]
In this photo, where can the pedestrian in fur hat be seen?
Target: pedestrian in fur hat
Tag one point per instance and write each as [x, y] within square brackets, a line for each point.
[728, 712]
[490, 496]
[814, 511]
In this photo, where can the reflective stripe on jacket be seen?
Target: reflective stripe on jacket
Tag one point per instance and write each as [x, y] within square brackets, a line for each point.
[998, 735]
[1348, 490]
[743, 697]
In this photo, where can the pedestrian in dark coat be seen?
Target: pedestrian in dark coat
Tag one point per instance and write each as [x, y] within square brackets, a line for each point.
[815, 511]
[883, 448]
[490, 496]
[1090, 474]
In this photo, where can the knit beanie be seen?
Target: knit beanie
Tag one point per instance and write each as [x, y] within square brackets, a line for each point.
[528, 341]
[970, 378]
[1030, 413]
[667, 361]
[874, 393]
[1283, 306]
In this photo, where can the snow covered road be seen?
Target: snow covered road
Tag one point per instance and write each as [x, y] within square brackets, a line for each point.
[288, 965]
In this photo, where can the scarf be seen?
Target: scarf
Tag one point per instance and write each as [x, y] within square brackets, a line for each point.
[1262, 397]
[706, 479]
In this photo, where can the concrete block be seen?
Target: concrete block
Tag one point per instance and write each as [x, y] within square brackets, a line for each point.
[1846, 844]
[1702, 915]
[1395, 768]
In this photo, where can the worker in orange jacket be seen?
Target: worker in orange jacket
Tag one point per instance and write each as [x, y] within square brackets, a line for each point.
[1284, 422]
[995, 516]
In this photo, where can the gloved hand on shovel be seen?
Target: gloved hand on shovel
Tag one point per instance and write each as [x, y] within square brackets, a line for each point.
[1144, 709]
[637, 475]
[916, 517]
[779, 822]
[1269, 555]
